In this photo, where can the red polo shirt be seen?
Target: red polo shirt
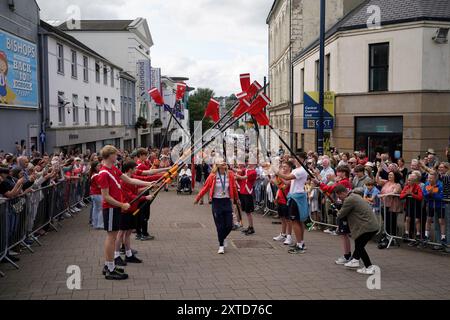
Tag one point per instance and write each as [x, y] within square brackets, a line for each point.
[109, 178]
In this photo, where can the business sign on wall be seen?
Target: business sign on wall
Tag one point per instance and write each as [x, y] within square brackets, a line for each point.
[311, 113]
[156, 78]
[18, 72]
[144, 80]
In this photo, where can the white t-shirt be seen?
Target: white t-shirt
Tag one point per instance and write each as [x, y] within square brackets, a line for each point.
[301, 176]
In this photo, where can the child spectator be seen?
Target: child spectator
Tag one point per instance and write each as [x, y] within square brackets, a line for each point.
[371, 193]
[433, 193]
[412, 192]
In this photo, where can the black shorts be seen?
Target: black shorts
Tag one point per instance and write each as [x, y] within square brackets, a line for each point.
[111, 219]
[283, 210]
[294, 214]
[343, 227]
[439, 213]
[127, 222]
[247, 203]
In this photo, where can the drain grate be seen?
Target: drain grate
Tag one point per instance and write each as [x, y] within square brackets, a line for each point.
[252, 244]
[188, 225]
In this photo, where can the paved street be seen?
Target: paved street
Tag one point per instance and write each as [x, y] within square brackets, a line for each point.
[182, 264]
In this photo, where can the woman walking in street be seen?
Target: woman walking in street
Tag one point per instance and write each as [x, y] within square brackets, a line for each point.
[221, 185]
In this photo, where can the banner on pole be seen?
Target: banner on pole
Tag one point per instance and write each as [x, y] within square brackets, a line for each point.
[312, 109]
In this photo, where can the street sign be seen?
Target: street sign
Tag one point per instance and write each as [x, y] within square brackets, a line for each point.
[42, 137]
[311, 113]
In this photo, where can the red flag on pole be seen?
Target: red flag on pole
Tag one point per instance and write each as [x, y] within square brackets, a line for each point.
[253, 89]
[212, 110]
[156, 96]
[245, 81]
[243, 107]
[181, 90]
[259, 104]
[262, 118]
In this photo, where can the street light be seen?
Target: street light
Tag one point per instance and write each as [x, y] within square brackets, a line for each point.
[320, 128]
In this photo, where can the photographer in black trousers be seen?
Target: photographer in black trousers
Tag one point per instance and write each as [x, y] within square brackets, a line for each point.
[363, 227]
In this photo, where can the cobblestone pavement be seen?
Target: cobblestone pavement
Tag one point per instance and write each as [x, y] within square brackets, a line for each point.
[182, 263]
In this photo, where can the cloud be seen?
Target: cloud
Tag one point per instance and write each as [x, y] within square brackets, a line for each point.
[209, 41]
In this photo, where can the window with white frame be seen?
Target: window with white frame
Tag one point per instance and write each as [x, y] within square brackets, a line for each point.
[86, 111]
[98, 108]
[112, 76]
[106, 112]
[113, 111]
[74, 69]
[97, 72]
[75, 107]
[60, 57]
[317, 75]
[85, 69]
[105, 75]
[61, 107]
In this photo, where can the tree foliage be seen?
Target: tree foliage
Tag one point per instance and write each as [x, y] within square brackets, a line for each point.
[197, 105]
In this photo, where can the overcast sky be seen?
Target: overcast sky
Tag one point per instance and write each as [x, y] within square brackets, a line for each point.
[209, 41]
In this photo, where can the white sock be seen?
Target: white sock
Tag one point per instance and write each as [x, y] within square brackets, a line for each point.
[129, 254]
[443, 237]
[407, 232]
[427, 234]
[111, 266]
[116, 254]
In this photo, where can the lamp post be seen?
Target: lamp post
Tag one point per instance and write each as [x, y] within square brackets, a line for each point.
[320, 127]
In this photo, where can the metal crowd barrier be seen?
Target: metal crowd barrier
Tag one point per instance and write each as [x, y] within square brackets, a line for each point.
[323, 204]
[263, 202]
[23, 217]
[418, 217]
[3, 231]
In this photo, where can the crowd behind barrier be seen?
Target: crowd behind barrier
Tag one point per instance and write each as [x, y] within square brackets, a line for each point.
[22, 218]
[38, 206]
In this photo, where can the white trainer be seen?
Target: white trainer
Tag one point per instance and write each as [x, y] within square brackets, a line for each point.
[352, 264]
[369, 271]
[221, 250]
[288, 240]
[281, 237]
[342, 261]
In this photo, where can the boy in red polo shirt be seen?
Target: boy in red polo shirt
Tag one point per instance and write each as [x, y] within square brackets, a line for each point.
[113, 205]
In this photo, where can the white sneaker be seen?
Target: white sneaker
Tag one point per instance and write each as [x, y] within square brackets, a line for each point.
[76, 209]
[288, 240]
[352, 264]
[327, 231]
[342, 261]
[369, 271]
[333, 233]
[221, 250]
[67, 215]
[281, 237]
[12, 253]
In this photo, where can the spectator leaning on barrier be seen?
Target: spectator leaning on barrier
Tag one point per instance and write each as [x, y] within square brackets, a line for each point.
[390, 193]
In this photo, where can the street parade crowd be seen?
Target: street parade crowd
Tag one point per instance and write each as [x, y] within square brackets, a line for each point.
[345, 195]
